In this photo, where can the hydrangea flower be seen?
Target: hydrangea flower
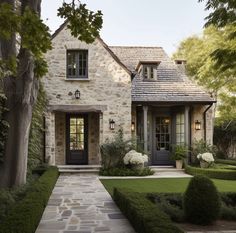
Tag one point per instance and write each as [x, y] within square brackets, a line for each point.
[133, 157]
[207, 157]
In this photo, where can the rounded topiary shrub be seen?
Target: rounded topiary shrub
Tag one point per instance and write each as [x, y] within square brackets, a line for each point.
[201, 201]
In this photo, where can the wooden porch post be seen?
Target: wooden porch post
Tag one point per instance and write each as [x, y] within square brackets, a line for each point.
[145, 136]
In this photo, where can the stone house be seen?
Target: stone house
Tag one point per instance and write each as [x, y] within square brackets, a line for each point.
[94, 90]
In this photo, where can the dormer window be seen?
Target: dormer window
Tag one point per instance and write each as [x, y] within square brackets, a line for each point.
[148, 70]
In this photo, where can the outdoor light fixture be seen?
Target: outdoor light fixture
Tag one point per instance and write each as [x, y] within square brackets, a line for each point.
[132, 126]
[112, 124]
[77, 94]
[197, 125]
[167, 121]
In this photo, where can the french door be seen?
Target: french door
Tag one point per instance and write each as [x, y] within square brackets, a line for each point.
[76, 139]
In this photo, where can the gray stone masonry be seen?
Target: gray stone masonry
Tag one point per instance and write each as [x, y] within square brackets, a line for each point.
[81, 204]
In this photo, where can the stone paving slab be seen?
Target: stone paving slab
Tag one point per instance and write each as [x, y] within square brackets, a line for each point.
[80, 204]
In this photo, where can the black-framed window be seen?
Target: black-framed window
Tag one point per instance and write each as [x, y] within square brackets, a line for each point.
[149, 72]
[180, 130]
[77, 64]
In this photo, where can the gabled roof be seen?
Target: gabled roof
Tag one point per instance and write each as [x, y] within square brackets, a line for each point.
[171, 85]
[62, 26]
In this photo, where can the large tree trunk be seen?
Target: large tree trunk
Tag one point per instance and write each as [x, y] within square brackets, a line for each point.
[21, 92]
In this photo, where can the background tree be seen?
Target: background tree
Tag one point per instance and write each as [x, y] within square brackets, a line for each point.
[222, 16]
[23, 41]
[201, 66]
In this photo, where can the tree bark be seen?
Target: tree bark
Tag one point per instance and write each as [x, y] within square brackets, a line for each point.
[21, 92]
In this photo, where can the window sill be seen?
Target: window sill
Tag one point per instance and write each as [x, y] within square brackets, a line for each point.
[77, 79]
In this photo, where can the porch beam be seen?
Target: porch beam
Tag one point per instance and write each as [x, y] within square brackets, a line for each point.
[145, 136]
[77, 108]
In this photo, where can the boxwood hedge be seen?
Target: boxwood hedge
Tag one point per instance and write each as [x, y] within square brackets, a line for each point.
[224, 174]
[24, 216]
[142, 213]
[226, 161]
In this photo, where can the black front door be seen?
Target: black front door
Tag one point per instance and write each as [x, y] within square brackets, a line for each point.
[162, 140]
[76, 139]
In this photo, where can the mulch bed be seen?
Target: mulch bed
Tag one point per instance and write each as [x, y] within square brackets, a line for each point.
[219, 225]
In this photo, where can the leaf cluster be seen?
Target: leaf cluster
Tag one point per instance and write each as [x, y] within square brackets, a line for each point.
[32, 34]
[223, 14]
[83, 23]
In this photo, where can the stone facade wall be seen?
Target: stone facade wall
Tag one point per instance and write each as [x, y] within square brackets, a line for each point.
[60, 138]
[93, 138]
[60, 134]
[50, 138]
[109, 84]
[197, 114]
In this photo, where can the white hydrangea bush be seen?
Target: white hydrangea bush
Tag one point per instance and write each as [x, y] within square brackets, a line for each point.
[206, 157]
[134, 158]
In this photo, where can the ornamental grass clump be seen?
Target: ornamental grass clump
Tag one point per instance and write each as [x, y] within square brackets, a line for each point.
[201, 201]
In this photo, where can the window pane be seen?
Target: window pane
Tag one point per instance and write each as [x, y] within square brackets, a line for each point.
[72, 128]
[180, 138]
[80, 121]
[71, 63]
[77, 64]
[72, 121]
[145, 72]
[151, 73]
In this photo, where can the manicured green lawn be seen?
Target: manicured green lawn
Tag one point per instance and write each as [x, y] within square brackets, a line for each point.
[165, 185]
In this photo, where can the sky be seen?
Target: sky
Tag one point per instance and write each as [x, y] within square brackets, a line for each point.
[140, 23]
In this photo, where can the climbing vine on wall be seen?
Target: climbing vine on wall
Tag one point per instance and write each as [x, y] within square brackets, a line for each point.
[37, 131]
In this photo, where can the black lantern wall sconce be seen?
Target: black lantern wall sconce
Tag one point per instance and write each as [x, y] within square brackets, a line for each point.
[77, 94]
[197, 125]
[112, 124]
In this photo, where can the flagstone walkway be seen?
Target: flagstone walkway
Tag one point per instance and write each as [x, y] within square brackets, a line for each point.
[81, 204]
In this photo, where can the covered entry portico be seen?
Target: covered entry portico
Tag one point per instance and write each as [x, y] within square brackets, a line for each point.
[74, 134]
[160, 125]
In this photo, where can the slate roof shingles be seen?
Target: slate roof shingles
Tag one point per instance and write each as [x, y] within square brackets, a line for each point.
[172, 85]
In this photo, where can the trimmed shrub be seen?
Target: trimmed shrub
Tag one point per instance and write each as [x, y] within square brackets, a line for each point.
[171, 204]
[226, 161]
[144, 216]
[201, 201]
[228, 209]
[224, 174]
[25, 215]
[126, 172]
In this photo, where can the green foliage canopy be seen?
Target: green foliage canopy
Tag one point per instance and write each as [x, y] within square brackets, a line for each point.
[223, 15]
[200, 65]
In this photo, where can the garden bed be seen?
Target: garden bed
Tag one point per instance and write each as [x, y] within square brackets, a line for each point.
[25, 215]
[144, 216]
[172, 204]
